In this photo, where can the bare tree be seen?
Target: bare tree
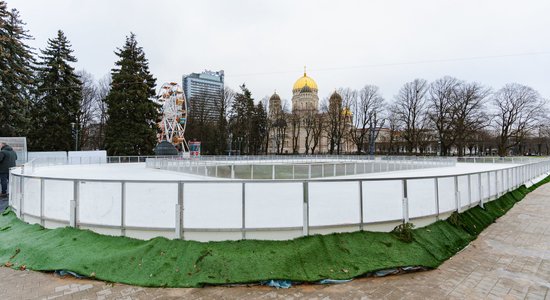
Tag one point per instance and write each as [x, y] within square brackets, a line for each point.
[103, 88]
[93, 110]
[376, 122]
[295, 119]
[345, 122]
[200, 119]
[225, 105]
[208, 118]
[367, 112]
[456, 112]
[338, 118]
[518, 109]
[393, 130]
[309, 118]
[485, 141]
[317, 131]
[277, 124]
[469, 114]
[441, 110]
[410, 107]
[88, 109]
[543, 140]
[221, 131]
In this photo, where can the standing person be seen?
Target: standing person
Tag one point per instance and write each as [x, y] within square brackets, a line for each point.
[7, 161]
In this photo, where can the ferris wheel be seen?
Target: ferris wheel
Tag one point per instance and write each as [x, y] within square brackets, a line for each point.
[174, 115]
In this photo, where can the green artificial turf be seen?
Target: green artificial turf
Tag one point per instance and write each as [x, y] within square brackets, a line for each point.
[177, 263]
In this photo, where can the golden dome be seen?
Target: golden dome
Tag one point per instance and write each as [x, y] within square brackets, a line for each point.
[347, 112]
[303, 81]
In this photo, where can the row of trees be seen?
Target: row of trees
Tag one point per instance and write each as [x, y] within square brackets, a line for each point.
[447, 116]
[457, 114]
[45, 99]
[235, 125]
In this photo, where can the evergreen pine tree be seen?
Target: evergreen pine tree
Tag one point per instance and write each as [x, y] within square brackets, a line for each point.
[131, 127]
[16, 73]
[258, 133]
[220, 135]
[58, 95]
[221, 132]
[242, 110]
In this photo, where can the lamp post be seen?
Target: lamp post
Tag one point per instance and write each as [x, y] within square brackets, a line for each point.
[239, 141]
[273, 143]
[75, 133]
[230, 142]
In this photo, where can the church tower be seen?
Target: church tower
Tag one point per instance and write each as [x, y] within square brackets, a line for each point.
[275, 106]
[304, 95]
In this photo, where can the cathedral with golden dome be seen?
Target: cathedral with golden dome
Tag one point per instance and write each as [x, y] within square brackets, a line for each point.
[305, 95]
[307, 129]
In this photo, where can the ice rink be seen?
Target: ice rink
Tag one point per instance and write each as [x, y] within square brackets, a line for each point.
[130, 199]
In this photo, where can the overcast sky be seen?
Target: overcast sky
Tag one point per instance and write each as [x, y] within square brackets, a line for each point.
[265, 44]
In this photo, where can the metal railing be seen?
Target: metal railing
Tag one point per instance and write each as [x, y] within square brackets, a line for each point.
[53, 161]
[304, 167]
[496, 160]
[194, 209]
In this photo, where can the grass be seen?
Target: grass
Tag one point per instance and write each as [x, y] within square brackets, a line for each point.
[174, 263]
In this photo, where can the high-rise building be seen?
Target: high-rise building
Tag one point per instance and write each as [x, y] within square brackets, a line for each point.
[203, 92]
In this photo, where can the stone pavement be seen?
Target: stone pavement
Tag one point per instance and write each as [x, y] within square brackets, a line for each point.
[4, 201]
[509, 260]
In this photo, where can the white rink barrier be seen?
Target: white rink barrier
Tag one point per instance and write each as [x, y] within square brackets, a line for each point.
[296, 167]
[207, 210]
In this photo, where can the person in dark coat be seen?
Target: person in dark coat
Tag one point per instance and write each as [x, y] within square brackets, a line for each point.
[7, 161]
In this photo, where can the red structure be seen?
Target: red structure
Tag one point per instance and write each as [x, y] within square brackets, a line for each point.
[195, 149]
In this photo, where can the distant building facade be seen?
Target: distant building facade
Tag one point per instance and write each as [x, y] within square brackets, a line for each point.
[307, 130]
[204, 91]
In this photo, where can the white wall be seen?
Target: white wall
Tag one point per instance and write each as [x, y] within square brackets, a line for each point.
[46, 154]
[85, 157]
[73, 157]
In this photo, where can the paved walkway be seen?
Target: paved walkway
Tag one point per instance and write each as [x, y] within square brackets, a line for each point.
[509, 260]
[3, 203]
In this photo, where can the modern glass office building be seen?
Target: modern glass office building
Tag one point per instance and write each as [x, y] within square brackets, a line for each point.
[203, 91]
